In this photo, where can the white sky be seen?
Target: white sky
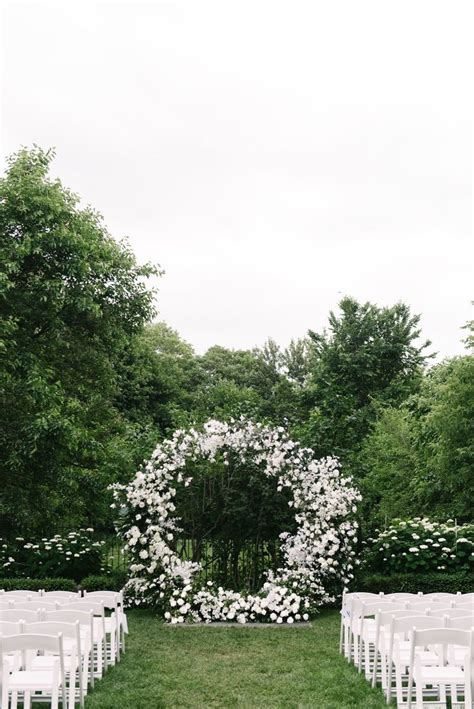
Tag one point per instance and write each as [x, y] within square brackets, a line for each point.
[271, 156]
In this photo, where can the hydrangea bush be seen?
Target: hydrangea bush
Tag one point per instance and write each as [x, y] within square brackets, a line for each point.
[420, 545]
[73, 555]
[318, 557]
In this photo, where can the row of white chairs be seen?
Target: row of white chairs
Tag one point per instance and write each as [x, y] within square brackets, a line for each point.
[423, 644]
[56, 644]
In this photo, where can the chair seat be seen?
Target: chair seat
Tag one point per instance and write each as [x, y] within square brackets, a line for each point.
[30, 680]
[438, 674]
[427, 657]
[457, 656]
[46, 662]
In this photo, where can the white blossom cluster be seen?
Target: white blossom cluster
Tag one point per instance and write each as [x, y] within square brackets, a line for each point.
[421, 545]
[318, 557]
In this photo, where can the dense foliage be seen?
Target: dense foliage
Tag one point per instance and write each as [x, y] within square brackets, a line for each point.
[89, 384]
[421, 545]
[73, 556]
[434, 582]
[72, 298]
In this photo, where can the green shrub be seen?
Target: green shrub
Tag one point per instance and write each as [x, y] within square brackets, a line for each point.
[72, 555]
[418, 545]
[412, 583]
[47, 584]
[114, 581]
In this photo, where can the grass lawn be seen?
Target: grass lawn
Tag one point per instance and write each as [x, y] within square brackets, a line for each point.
[232, 667]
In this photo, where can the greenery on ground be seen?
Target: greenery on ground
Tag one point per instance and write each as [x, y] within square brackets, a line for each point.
[197, 667]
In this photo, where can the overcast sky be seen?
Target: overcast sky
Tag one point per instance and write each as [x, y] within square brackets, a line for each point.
[271, 156]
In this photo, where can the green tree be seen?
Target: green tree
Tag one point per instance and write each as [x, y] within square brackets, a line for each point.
[72, 299]
[419, 458]
[367, 357]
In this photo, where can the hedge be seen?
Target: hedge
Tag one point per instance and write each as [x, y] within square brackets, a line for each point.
[412, 583]
[48, 584]
[114, 581]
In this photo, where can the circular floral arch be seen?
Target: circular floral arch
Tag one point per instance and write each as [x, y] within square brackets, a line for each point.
[318, 557]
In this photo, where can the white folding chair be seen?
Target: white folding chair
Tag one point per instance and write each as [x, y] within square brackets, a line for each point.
[72, 654]
[383, 621]
[346, 606]
[365, 630]
[398, 650]
[99, 631]
[440, 675]
[27, 681]
[113, 600]
[88, 641]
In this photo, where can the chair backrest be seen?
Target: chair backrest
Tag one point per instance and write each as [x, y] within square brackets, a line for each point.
[9, 627]
[464, 604]
[421, 622]
[69, 615]
[372, 608]
[52, 627]
[405, 596]
[440, 636]
[85, 605]
[59, 601]
[110, 600]
[440, 595]
[31, 641]
[451, 612]
[22, 594]
[68, 595]
[5, 605]
[16, 615]
[37, 604]
[429, 605]
[385, 616]
[465, 622]
[106, 593]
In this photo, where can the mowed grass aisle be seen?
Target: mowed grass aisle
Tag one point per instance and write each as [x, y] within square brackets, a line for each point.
[231, 667]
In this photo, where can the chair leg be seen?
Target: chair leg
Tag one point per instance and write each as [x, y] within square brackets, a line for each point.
[72, 689]
[54, 698]
[419, 695]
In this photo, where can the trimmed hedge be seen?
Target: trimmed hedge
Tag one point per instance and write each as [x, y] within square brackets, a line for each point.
[412, 583]
[48, 584]
[114, 581]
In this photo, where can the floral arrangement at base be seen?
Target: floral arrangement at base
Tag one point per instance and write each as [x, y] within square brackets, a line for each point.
[318, 557]
[421, 545]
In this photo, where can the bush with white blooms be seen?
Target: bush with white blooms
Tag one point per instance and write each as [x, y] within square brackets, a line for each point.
[317, 559]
